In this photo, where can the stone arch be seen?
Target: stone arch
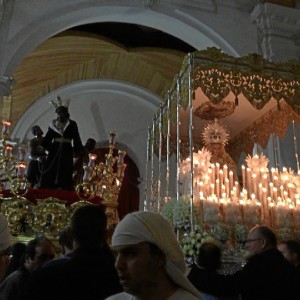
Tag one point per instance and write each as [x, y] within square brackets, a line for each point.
[183, 26]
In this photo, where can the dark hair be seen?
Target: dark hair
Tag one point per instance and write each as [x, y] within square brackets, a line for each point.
[64, 110]
[17, 253]
[88, 225]
[293, 246]
[34, 129]
[267, 234]
[31, 246]
[90, 144]
[209, 256]
[64, 239]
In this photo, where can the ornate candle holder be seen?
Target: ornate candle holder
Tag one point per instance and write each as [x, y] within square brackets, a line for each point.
[104, 180]
[13, 170]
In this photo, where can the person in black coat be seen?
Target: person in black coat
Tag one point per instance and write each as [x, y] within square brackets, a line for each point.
[266, 275]
[62, 141]
[89, 273]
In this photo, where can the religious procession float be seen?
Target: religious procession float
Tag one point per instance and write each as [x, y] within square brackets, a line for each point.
[207, 168]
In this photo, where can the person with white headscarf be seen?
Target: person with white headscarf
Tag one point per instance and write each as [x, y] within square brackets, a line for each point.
[5, 245]
[150, 262]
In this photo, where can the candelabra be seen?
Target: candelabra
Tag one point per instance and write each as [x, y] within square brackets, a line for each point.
[13, 169]
[104, 180]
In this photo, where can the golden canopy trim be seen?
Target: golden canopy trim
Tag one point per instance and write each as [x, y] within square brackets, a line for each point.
[259, 80]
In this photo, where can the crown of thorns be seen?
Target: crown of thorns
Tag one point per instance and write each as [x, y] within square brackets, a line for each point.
[58, 102]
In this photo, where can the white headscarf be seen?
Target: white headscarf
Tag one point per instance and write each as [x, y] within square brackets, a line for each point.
[151, 227]
[5, 236]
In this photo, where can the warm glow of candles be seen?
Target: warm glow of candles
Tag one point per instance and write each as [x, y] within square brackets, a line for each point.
[21, 168]
[92, 160]
[5, 126]
[8, 151]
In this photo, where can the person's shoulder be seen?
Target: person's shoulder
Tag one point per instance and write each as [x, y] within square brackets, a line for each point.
[183, 294]
[121, 296]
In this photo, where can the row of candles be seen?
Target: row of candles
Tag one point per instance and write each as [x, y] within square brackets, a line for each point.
[269, 197]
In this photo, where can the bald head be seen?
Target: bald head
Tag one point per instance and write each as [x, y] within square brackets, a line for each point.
[260, 238]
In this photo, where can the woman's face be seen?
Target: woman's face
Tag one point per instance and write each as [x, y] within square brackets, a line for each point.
[216, 149]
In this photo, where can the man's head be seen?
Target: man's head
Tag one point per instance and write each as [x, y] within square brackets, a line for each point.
[260, 239]
[88, 226]
[62, 113]
[37, 131]
[38, 251]
[147, 253]
[291, 251]
[209, 256]
[90, 144]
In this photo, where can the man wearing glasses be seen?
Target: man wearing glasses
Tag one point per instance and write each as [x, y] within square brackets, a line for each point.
[266, 275]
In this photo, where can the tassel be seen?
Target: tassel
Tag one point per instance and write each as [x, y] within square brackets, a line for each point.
[236, 101]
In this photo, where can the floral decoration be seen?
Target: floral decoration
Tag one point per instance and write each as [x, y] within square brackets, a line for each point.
[181, 214]
[167, 210]
[221, 232]
[191, 242]
[240, 233]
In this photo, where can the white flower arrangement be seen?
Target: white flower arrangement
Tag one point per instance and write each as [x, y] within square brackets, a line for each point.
[167, 210]
[191, 242]
[182, 214]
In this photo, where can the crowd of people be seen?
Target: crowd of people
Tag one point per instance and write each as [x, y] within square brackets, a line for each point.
[56, 160]
[144, 262]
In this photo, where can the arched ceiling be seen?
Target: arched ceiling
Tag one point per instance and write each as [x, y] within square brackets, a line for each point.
[81, 55]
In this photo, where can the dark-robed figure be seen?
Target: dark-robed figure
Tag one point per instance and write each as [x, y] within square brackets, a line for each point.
[62, 140]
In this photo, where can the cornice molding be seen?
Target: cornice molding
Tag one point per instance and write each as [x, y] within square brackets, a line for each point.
[276, 20]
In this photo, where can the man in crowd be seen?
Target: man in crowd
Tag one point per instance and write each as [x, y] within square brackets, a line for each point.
[5, 244]
[266, 275]
[89, 273]
[38, 251]
[149, 261]
[290, 249]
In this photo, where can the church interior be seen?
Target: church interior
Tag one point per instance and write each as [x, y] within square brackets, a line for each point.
[151, 72]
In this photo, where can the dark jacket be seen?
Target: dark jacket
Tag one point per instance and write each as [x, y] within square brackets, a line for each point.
[266, 276]
[89, 274]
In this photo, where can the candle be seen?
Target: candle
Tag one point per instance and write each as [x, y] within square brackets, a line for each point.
[121, 155]
[92, 160]
[243, 176]
[112, 141]
[218, 188]
[230, 180]
[5, 127]
[227, 187]
[221, 176]
[217, 170]
[225, 171]
[249, 172]
[22, 153]
[254, 184]
[21, 170]
[87, 174]
[8, 151]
